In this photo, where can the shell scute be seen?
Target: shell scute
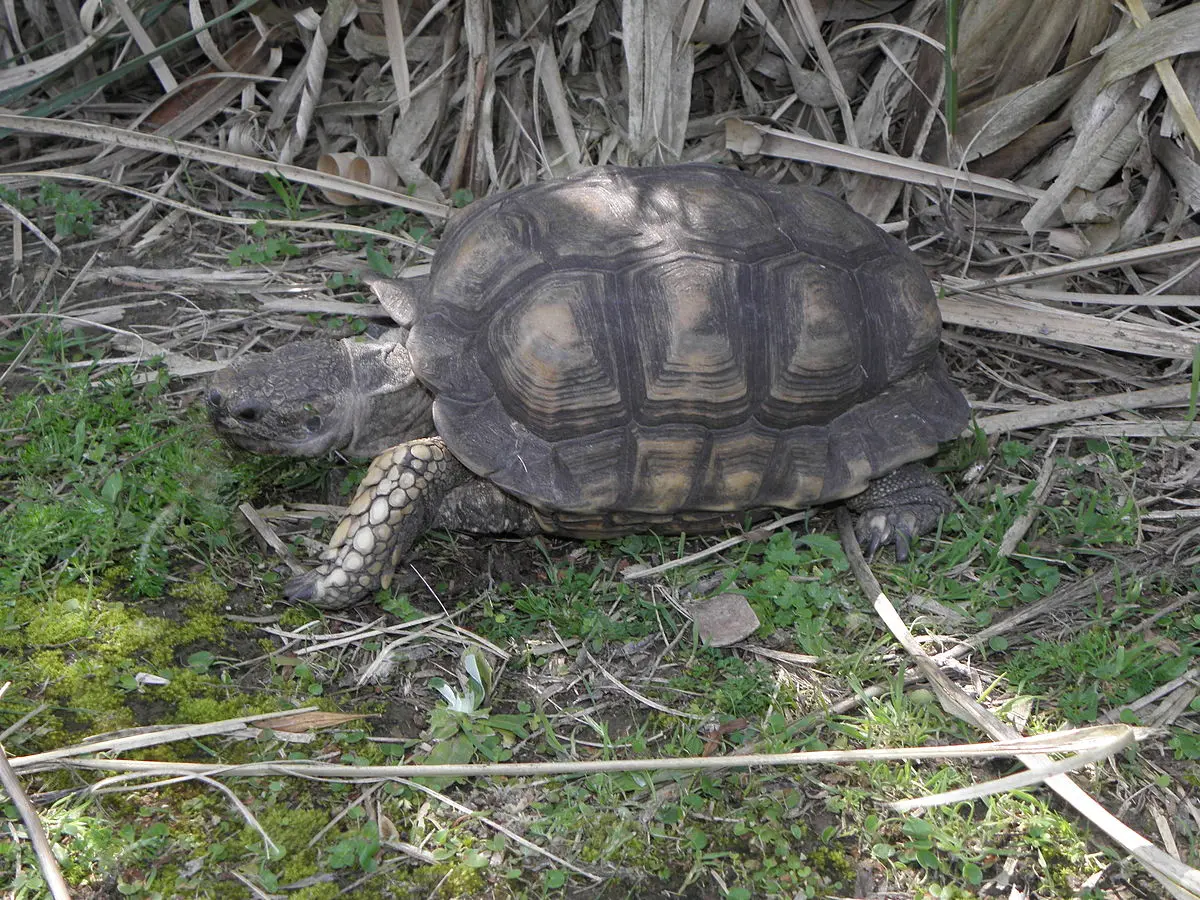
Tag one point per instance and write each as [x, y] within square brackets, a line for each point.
[553, 358]
[690, 340]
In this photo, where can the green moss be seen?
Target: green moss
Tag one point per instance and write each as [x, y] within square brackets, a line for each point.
[292, 828]
[294, 617]
[211, 709]
[460, 881]
[79, 649]
[620, 839]
[202, 593]
[833, 864]
[83, 687]
[76, 614]
[325, 891]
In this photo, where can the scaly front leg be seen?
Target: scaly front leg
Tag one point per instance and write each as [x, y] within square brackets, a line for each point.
[396, 502]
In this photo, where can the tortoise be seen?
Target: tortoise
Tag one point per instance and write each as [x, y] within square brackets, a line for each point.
[664, 348]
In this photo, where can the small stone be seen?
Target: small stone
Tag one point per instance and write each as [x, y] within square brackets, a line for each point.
[724, 619]
[397, 498]
[407, 480]
[383, 532]
[413, 493]
[353, 561]
[421, 451]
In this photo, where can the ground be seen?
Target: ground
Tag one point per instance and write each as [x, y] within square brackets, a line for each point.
[586, 667]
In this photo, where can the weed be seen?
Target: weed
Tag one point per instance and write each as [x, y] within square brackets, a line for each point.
[794, 585]
[1095, 670]
[291, 197]
[104, 471]
[264, 250]
[74, 214]
[357, 849]
[464, 727]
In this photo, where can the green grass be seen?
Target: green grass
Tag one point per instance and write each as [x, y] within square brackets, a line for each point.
[101, 473]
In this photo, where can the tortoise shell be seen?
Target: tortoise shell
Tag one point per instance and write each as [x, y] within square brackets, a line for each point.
[647, 344]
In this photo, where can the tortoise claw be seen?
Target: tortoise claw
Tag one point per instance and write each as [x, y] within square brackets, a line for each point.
[875, 540]
[878, 527]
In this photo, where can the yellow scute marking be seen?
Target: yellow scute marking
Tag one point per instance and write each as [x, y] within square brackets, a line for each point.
[549, 340]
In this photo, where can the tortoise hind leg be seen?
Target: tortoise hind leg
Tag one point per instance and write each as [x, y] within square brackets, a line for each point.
[479, 507]
[396, 502]
[900, 506]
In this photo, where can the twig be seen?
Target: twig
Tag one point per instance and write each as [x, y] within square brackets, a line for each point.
[1036, 416]
[106, 134]
[47, 863]
[268, 536]
[636, 572]
[1077, 740]
[507, 832]
[1045, 481]
[1088, 264]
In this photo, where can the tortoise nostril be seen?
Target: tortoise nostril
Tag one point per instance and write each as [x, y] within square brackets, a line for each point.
[248, 412]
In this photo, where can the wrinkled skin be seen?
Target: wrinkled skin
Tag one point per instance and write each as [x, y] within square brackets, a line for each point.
[308, 398]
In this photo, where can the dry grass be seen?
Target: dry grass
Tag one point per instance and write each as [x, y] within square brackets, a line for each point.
[1048, 172]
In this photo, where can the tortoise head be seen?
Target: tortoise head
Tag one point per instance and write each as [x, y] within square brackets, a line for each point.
[313, 396]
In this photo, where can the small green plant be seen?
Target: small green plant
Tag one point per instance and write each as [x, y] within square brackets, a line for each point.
[358, 849]
[575, 602]
[1096, 670]
[464, 727]
[105, 473]
[74, 214]
[793, 585]
[396, 221]
[1184, 745]
[291, 197]
[1012, 452]
[739, 689]
[266, 250]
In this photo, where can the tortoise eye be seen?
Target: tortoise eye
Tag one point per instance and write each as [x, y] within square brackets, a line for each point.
[313, 424]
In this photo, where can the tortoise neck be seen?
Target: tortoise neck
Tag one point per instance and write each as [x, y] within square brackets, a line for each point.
[389, 404]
